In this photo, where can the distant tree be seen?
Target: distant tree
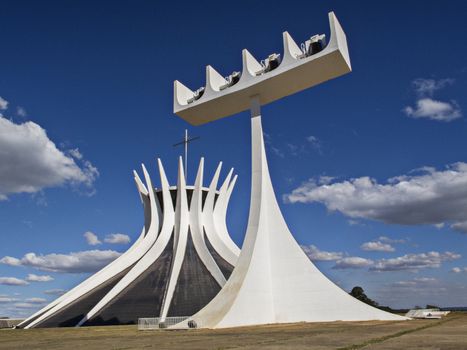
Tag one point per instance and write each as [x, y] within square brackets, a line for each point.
[358, 293]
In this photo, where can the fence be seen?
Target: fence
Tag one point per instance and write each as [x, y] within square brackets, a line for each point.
[153, 323]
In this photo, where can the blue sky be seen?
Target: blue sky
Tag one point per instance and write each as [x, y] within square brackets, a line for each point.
[370, 169]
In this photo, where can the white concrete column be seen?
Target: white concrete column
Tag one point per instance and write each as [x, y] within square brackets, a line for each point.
[181, 236]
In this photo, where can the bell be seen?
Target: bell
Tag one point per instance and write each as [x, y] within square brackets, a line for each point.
[273, 62]
[199, 93]
[316, 44]
[196, 95]
[232, 79]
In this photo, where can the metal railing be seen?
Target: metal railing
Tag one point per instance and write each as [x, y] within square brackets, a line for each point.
[156, 323]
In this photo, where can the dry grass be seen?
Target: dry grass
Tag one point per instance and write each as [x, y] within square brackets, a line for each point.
[449, 333]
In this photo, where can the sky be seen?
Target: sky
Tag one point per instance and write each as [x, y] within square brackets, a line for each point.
[370, 169]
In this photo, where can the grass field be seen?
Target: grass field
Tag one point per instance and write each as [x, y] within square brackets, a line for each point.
[446, 334]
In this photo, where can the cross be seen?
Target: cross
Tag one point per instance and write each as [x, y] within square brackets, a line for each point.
[185, 142]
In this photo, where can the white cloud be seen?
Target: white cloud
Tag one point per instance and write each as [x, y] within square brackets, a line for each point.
[4, 299]
[430, 197]
[319, 255]
[75, 153]
[409, 262]
[312, 139]
[377, 246]
[315, 143]
[76, 262]
[91, 238]
[426, 87]
[404, 283]
[39, 278]
[9, 260]
[459, 269]
[414, 262]
[21, 112]
[117, 238]
[30, 161]
[435, 110]
[460, 226]
[352, 262]
[411, 293]
[325, 180]
[386, 239]
[55, 291]
[3, 104]
[425, 279]
[427, 107]
[416, 282]
[12, 281]
[294, 149]
[352, 222]
[25, 305]
[36, 300]
[277, 151]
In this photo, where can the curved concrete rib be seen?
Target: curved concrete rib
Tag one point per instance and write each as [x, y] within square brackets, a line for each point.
[220, 211]
[142, 190]
[152, 255]
[229, 192]
[274, 281]
[209, 226]
[155, 206]
[152, 242]
[291, 49]
[120, 264]
[180, 239]
[196, 228]
[49, 306]
[145, 201]
[213, 80]
[223, 192]
[181, 93]
[250, 66]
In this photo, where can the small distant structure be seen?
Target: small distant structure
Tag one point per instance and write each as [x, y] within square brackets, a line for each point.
[426, 313]
[6, 322]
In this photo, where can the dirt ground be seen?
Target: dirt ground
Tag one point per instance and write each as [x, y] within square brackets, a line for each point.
[446, 334]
